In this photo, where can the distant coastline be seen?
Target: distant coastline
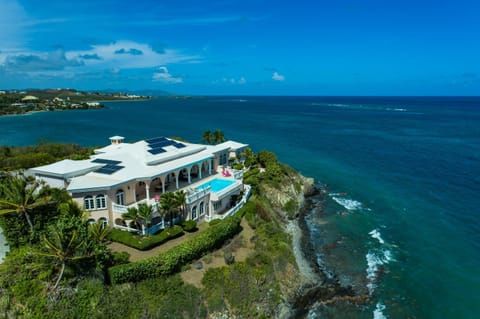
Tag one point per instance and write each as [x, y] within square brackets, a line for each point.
[31, 101]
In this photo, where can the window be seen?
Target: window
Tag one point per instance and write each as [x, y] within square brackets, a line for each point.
[88, 203]
[100, 201]
[194, 212]
[120, 197]
[201, 209]
[217, 205]
[104, 222]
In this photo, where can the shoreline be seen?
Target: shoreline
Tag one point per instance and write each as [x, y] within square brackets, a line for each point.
[319, 286]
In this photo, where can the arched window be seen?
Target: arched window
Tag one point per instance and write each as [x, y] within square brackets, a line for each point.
[194, 212]
[201, 209]
[101, 201]
[88, 203]
[120, 196]
[104, 221]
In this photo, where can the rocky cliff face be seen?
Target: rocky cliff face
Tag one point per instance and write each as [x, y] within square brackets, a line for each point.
[293, 189]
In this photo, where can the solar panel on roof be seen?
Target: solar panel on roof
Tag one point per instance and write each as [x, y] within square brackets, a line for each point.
[156, 151]
[105, 161]
[109, 170]
[179, 145]
[155, 140]
[158, 144]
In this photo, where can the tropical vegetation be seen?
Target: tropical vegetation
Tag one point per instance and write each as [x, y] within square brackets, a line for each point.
[60, 266]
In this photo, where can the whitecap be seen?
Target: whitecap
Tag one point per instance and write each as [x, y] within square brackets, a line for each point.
[375, 259]
[376, 234]
[378, 312]
[348, 203]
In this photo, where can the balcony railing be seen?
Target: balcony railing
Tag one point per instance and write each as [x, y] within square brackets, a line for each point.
[194, 195]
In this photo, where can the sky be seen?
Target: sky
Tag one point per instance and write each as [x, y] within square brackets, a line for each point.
[244, 47]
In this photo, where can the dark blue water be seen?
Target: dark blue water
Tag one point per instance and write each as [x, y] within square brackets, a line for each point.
[402, 220]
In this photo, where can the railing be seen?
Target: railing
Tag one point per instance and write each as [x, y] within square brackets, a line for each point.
[129, 229]
[197, 194]
[237, 207]
[228, 189]
[120, 209]
[237, 174]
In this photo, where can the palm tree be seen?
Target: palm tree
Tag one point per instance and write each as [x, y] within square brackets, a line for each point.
[145, 214]
[168, 204]
[64, 247]
[181, 201]
[249, 157]
[21, 198]
[207, 137]
[132, 214]
[218, 137]
[98, 231]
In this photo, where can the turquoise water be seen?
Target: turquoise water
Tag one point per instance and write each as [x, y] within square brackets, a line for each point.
[401, 222]
[216, 185]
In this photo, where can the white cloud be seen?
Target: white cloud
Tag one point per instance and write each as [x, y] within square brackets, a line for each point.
[96, 59]
[240, 80]
[278, 77]
[110, 57]
[164, 76]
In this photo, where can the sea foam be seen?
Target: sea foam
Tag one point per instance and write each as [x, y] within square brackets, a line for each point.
[375, 259]
[348, 203]
[376, 234]
[378, 312]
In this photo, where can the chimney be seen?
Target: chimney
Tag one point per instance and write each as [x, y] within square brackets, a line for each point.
[115, 140]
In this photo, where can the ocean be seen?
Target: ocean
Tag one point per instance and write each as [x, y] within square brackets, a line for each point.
[401, 219]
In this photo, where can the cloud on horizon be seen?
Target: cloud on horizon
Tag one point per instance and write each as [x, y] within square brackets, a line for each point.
[164, 76]
[278, 77]
[131, 51]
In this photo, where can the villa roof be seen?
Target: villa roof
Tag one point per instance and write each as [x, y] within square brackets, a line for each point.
[234, 146]
[125, 162]
[66, 168]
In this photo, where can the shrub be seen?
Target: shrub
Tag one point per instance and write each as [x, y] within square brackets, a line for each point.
[228, 257]
[172, 260]
[189, 226]
[238, 166]
[291, 208]
[120, 258]
[215, 222]
[145, 242]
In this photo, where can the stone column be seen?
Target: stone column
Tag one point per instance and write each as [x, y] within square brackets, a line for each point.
[147, 190]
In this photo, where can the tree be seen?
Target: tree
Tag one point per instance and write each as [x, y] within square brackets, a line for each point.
[21, 197]
[181, 202]
[207, 137]
[249, 157]
[67, 243]
[145, 213]
[218, 137]
[168, 205]
[132, 214]
[99, 231]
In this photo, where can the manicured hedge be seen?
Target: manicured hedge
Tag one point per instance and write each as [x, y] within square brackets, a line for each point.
[145, 242]
[172, 260]
[189, 226]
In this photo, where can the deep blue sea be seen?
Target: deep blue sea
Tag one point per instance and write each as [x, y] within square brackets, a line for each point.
[402, 219]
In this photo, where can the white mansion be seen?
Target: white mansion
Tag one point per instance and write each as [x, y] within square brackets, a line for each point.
[122, 175]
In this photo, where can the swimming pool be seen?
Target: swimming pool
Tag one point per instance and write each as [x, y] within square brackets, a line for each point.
[216, 185]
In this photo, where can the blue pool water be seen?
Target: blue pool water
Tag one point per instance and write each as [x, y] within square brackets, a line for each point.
[216, 185]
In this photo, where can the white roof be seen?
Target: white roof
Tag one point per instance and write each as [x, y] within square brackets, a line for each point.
[65, 168]
[134, 161]
[234, 146]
